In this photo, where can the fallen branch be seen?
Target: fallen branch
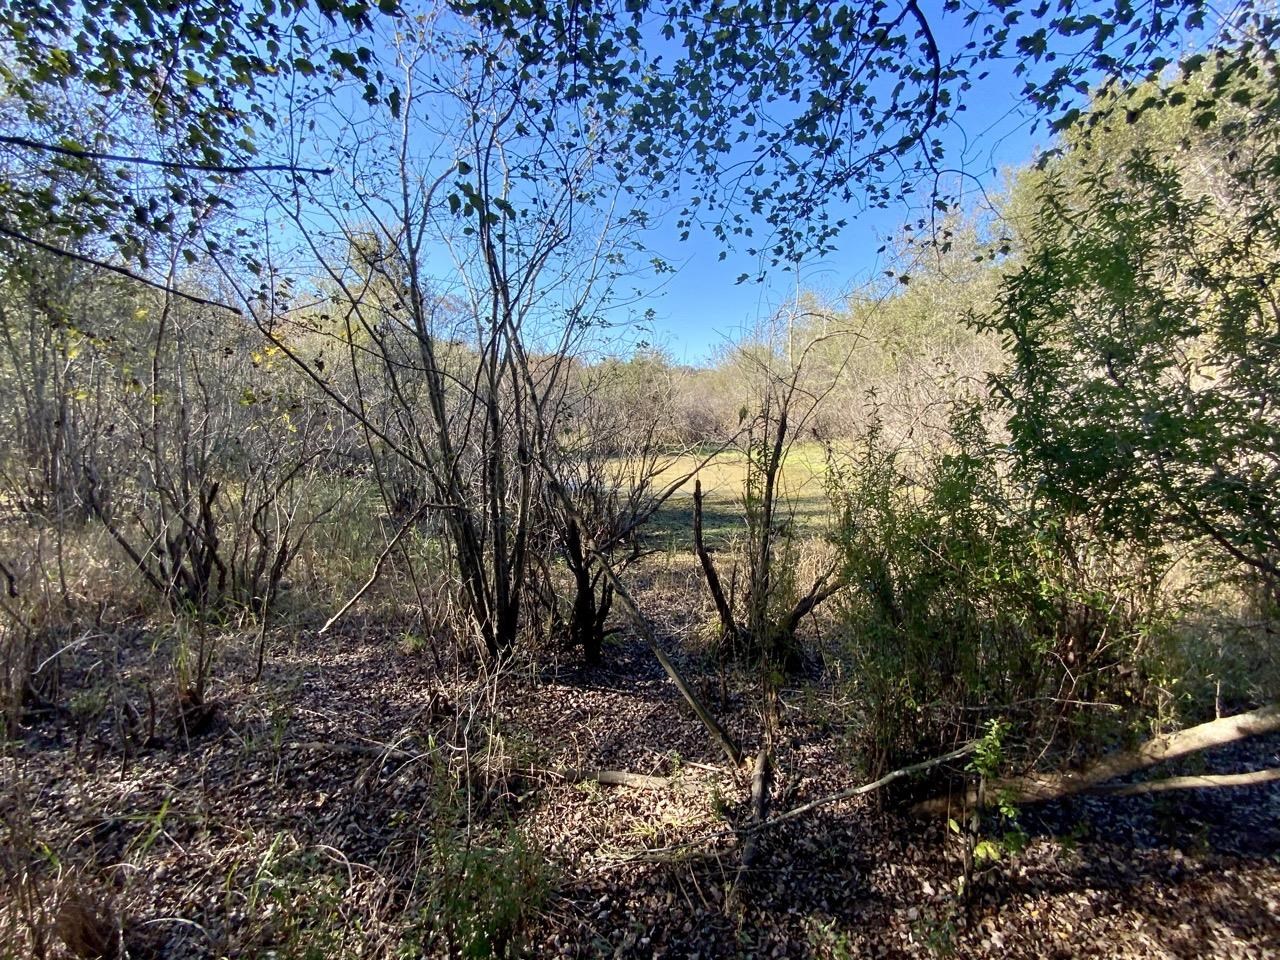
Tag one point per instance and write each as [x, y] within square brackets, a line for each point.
[381, 751]
[1204, 781]
[727, 744]
[607, 778]
[696, 848]
[377, 570]
[874, 785]
[1038, 788]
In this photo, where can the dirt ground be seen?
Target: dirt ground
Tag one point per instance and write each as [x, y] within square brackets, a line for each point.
[305, 815]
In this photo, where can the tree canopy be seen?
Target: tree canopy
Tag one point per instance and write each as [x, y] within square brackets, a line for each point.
[736, 115]
[1141, 322]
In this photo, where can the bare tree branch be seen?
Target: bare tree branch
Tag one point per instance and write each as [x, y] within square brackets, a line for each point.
[233, 168]
[111, 267]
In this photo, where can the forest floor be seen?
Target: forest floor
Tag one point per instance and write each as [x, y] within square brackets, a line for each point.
[358, 800]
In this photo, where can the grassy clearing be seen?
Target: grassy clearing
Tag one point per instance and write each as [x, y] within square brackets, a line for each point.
[803, 473]
[804, 496]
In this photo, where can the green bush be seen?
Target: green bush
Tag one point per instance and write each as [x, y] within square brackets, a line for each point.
[972, 600]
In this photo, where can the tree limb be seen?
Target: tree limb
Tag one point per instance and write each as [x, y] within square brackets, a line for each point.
[1038, 788]
[607, 778]
[163, 164]
[1203, 781]
[727, 744]
[112, 268]
[874, 785]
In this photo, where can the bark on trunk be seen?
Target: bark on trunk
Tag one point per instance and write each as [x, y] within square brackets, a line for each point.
[761, 781]
[728, 626]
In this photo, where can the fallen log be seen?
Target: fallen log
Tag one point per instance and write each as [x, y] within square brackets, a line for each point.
[1202, 782]
[1040, 788]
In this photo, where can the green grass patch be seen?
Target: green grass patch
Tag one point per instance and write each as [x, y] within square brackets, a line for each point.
[803, 497]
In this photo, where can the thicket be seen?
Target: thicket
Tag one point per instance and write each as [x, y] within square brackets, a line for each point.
[1048, 443]
[1039, 557]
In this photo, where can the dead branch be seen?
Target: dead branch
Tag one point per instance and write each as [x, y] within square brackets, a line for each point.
[1204, 781]
[380, 751]
[1038, 788]
[697, 849]
[761, 780]
[377, 570]
[730, 748]
[606, 778]
[874, 785]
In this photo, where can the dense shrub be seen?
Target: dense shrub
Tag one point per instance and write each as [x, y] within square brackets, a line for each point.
[971, 600]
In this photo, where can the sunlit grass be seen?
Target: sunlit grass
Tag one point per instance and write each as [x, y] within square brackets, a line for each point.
[724, 478]
[801, 484]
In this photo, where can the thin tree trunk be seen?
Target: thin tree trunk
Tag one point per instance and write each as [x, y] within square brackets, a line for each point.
[728, 625]
[761, 782]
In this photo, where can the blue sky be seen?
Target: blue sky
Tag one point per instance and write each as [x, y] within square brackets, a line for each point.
[702, 307]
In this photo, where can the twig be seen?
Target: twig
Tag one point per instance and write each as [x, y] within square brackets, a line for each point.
[163, 164]
[111, 267]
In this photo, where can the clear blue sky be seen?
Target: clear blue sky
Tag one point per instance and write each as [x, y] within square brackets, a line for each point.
[702, 306]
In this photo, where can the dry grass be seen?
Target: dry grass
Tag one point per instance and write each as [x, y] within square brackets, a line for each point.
[803, 497]
[803, 473]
